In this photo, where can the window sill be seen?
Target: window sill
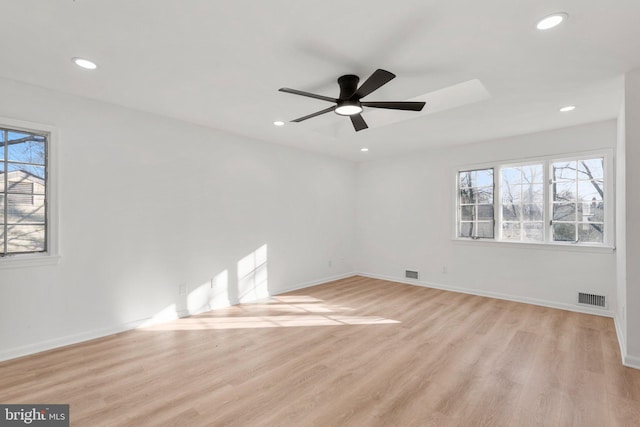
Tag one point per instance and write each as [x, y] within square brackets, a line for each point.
[31, 260]
[566, 247]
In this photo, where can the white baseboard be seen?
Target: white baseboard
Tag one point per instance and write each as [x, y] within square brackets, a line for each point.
[631, 361]
[315, 282]
[41, 346]
[497, 295]
[627, 360]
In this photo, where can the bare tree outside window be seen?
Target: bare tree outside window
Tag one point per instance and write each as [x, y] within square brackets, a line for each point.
[22, 192]
[475, 204]
[577, 188]
[522, 190]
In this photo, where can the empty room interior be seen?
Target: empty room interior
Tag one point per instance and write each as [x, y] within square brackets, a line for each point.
[320, 213]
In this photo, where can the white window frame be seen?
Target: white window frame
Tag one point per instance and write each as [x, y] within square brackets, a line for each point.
[51, 256]
[608, 244]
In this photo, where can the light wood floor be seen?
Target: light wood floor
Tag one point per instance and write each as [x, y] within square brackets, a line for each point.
[355, 352]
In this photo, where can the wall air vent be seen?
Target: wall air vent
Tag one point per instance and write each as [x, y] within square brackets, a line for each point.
[592, 300]
[410, 274]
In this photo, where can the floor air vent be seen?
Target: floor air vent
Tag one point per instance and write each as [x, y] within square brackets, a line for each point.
[410, 274]
[592, 300]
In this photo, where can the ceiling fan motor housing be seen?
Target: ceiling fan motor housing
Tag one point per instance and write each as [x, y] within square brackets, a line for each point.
[348, 85]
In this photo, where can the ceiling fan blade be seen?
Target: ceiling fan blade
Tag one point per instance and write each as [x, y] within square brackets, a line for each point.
[375, 81]
[412, 106]
[358, 122]
[310, 95]
[326, 110]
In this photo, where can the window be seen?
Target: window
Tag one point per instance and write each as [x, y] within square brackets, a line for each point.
[475, 195]
[553, 200]
[522, 202]
[23, 192]
[577, 194]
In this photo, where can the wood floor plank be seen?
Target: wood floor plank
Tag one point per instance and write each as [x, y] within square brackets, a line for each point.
[353, 352]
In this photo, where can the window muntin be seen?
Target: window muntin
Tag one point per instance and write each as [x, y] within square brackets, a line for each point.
[475, 204]
[23, 204]
[577, 197]
[522, 202]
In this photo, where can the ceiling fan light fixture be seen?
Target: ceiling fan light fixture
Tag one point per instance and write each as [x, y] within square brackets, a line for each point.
[84, 63]
[348, 109]
[551, 21]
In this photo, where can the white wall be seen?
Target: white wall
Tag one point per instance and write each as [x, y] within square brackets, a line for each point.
[405, 211]
[621, 232]
[148, 203]
[632, 174]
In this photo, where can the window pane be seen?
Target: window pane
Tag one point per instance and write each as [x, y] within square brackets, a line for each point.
[511, 212]
[533, 174]
[25, 147]
[590, 191]
[22, 208]
[485, 195]
[466, 229]
[485, 229]
[25, 238]
[1, 218]
[591, 233]
[533, 231]
[591, 169]
[485, 212]
[22, 172]
[466, 179]
[564, 171]
[532, 193]
[511, 193]
[564, 191]
[467, 196]
[564, 232]
[1, 147]
[467, 213]
[511, 231]
[592, 212]
[564, 211]
[532, 212]
[484, 178]
[512, 175]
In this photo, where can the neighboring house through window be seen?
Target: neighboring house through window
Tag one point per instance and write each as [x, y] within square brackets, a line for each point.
[23, 192]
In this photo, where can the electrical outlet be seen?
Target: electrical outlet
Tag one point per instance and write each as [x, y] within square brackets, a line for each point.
[444, 269]
[330, 263]
[182, 289]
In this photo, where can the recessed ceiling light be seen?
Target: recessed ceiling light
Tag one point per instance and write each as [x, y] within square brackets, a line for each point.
[278, 123]
[85, 63]
[551, 21]
[363, 149]
[568, 108]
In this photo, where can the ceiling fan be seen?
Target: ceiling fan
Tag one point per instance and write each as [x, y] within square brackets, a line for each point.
[349, 102]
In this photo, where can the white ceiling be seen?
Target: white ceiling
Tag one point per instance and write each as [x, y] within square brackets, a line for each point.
[220, 63]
